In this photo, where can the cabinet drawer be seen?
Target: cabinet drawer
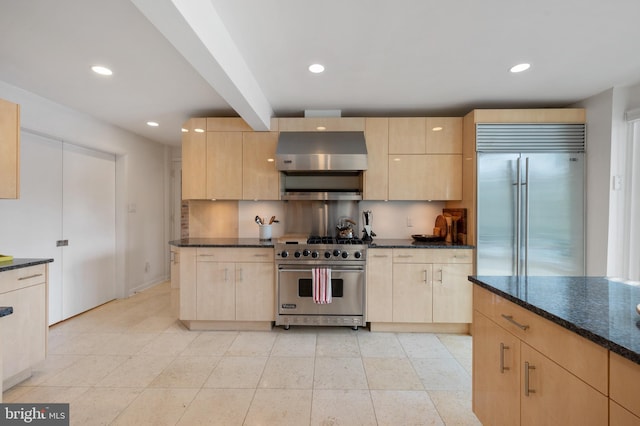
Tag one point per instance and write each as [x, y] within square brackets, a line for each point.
[618, 416]
[625, 383]
[580, 356]
[432, 256]
[20, 278]
[210, 254]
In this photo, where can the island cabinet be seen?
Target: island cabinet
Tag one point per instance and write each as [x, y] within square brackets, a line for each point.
[427, 289]
[624, 391]
[530, 371]
[9, 149]
[227, 288]
[425, 158]
[24, 333]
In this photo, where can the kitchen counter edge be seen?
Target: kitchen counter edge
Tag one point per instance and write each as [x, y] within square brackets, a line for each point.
[622, 348]
[22, 263]
[257, 243]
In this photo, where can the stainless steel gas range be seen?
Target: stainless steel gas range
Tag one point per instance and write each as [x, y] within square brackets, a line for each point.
[295, 262]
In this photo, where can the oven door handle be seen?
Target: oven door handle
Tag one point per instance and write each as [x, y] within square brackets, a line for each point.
[352, 269]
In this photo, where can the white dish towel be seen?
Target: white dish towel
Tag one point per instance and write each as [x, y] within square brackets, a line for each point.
[321, 283]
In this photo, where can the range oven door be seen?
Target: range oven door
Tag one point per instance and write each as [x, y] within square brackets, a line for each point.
[295, 291]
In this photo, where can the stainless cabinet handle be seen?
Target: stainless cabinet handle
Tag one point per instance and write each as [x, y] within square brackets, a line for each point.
[239, 274]
[261, 255]
[503, 347]
[206, 255]
[425, 276]
[405, 256]
[527, 367]
[440, 280]
[226, 275]
[514, 322]
[30, 276]
[381, 255]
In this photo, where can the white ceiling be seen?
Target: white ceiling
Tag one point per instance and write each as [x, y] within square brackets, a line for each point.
[174, 59]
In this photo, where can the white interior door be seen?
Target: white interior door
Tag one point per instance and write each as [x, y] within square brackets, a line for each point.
[31, 225]
[88, 223]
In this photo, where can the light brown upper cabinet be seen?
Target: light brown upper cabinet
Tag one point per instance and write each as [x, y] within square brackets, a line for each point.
[9, 149]
[376, 177]
[328, 124]
[260, 178]
[194, 160]
[407, 135]
[443, 135]
[224, 165]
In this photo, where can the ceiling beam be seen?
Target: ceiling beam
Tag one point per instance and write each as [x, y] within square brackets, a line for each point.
[196, 30]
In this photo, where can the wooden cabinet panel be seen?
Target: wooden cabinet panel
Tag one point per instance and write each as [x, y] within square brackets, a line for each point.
[573, 352]
[496, 373]
[216, 293]
[227, 124]
[425, 177]
[194, 170]
[625, 382]
[255, 292]
[452, 293]
[9, 149]
[412, 293]
[188, 278]
[380, 285]
[556, 397]
[407, 135]
[24, 333]
[619, 416]
[444, 135]
[376, 177]
[224, 165]
[260, 179]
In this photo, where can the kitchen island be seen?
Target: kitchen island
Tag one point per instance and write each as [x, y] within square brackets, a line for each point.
[23, 287]
[556, 350]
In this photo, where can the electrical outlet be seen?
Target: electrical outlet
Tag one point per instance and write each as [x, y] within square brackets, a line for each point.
[409, 222]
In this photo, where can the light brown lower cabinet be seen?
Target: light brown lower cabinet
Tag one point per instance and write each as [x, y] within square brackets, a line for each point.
[232, 285]
[521, 379]
[624, 391]
[419, 286]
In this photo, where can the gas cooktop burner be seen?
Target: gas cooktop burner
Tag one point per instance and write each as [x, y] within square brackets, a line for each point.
[331, 240]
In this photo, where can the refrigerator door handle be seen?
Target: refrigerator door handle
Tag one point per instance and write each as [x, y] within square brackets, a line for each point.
[517, 221]
[526, 217]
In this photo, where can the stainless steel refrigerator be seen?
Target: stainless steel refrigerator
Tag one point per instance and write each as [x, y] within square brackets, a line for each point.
[530, 205]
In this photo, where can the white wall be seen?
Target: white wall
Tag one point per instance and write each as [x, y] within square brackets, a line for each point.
[606, 135]
[142, 225]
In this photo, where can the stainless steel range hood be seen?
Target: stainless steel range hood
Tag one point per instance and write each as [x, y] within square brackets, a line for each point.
[321, 151]
[321, 165]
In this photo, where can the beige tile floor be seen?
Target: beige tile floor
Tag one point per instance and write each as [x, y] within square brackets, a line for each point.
[130, 362]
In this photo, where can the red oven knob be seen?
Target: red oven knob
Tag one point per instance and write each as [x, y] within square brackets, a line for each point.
[284, 254]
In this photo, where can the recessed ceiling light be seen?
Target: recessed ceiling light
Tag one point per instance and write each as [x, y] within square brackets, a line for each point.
[185, 130]
[98, 69]
[520, 67]
[152, 124]
[270, 160]
[198, 130]
[316, 68]
[437, 129]
[321, 128]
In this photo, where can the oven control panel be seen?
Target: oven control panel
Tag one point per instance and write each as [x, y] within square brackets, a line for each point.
[320, 253]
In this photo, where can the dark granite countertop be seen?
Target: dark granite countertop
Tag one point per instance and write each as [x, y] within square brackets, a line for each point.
[223, 242]
[255, 242]
[5, 310]
[601, 310]
[410, 243]
[22, 263]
